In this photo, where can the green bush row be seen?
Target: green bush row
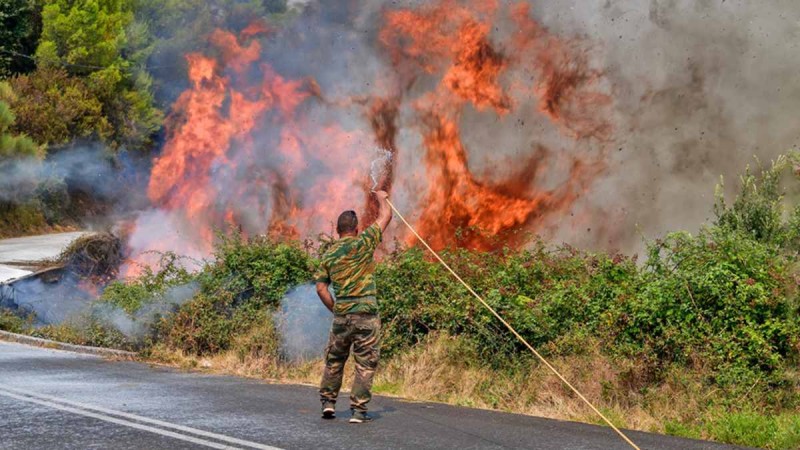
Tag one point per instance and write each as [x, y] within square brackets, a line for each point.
[724, 299]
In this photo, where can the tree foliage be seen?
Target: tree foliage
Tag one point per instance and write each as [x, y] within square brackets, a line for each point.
[759, 210]
[18, 152]
[98, 71]
[182, 26]
[20, 25]
[99, 40]
[13, 145]
[55, 108]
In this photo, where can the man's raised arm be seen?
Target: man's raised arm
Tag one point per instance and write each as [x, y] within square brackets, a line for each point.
[384, 210]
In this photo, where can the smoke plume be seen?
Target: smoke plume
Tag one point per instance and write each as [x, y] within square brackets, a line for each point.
[80, 170]
[302, 323]
[50, 301]
[53, 302]
[700, 88]
[587, 122]
[136, 326]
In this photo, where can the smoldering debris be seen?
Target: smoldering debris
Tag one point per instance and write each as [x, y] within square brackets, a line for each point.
[64, 288]
[93, 255]
[303, 323]
[68, 290]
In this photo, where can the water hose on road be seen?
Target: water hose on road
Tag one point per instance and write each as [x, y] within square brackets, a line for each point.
[510, 328]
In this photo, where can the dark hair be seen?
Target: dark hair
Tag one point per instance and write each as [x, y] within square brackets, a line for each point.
[347, 223]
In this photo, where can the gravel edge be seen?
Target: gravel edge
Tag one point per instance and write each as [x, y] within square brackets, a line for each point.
[47, 343]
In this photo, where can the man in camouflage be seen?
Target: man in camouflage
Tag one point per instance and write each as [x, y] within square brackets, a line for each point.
[349, 266]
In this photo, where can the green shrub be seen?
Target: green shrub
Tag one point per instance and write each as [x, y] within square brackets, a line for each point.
[55, 108]
[247, 277]
[20, 219]
[260, 269]
[131, 295]
[757, 430]
[721, 306]
[759, 210]
[787, 436]
[744, 429]
[261, 343]
[11, 322]
[84, 331]
[673, 428]
[720, 296]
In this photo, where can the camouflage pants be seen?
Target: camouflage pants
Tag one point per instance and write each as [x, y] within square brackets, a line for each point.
[362, 333]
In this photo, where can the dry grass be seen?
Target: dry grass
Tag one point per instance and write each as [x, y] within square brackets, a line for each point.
[437, 371]
[443, 369]
[434, 372]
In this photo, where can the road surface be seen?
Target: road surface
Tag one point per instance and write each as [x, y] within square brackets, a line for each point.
[64, 400]
[31, 248]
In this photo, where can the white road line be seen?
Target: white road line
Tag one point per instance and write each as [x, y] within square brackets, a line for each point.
[104, 414]
[120, 422]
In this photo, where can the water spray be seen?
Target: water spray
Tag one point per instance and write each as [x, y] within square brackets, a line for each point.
[510, 328]
[378, 166]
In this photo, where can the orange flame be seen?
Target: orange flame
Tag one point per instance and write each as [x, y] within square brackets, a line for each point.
[452, 39]
[249, 147]
[213, 125]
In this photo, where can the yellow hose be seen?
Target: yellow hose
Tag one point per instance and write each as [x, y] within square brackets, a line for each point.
[521, 339]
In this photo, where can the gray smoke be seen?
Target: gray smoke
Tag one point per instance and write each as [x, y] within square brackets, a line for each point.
[62, 301]
[136, 326]
[50, 302]
[700, 88]
[302, 323]
[90, 168]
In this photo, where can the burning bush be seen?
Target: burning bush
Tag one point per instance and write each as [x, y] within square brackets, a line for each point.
[725, 299]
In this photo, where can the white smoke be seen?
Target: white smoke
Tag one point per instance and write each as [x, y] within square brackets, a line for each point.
[136, 326]
[50, 303]
[302, 323]
[63, 302]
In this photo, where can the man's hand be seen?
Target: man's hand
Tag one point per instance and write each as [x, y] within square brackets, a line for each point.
[325, 295]
[385, 211]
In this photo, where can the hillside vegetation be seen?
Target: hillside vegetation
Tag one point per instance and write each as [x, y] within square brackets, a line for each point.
[75, 72]
[700, 339]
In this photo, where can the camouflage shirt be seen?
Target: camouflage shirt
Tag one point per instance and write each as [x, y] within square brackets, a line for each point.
[349, 266]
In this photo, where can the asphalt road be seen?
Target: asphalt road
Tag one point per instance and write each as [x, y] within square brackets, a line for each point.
[31, 248]
[58, 399]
